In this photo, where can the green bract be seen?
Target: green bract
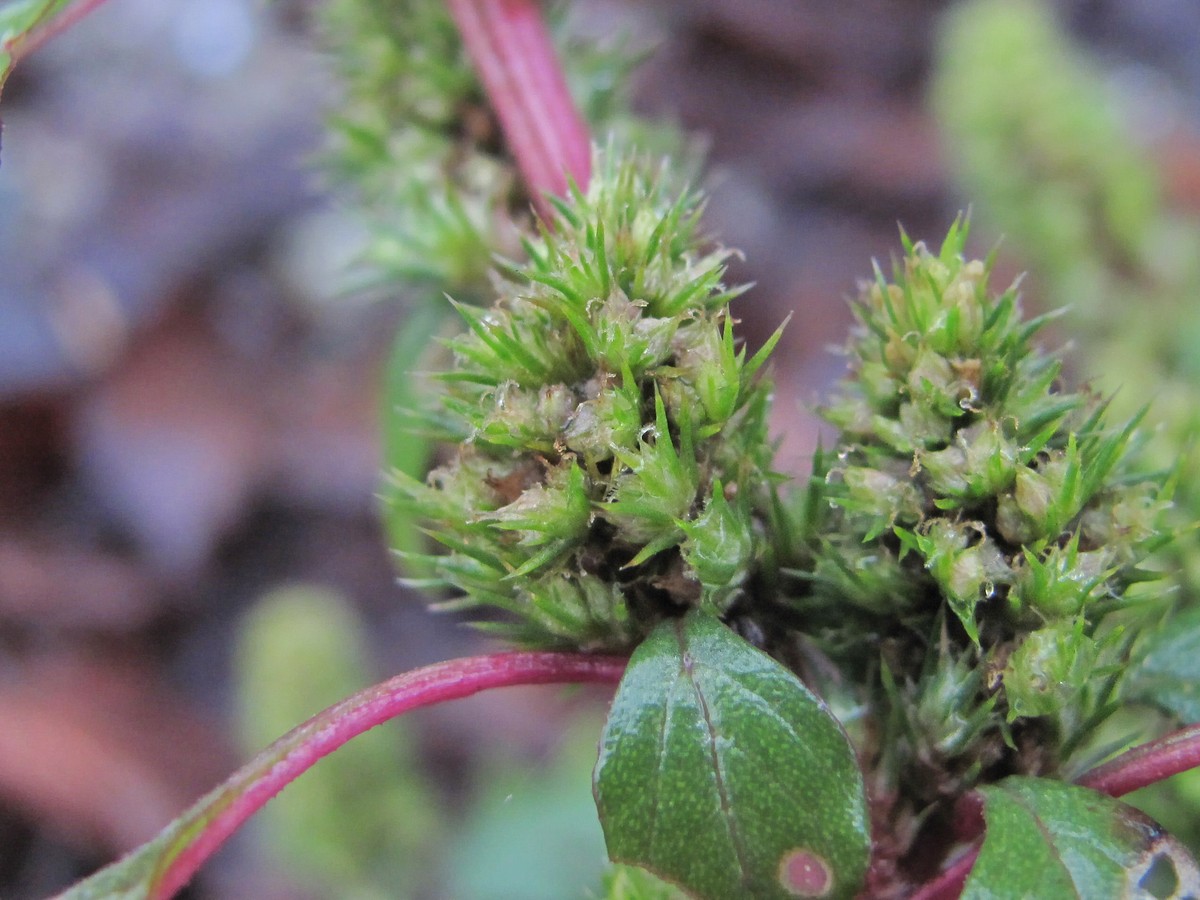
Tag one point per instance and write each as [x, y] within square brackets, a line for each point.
[612, 461]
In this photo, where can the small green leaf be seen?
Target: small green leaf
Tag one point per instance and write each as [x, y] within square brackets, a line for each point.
[1054, 840]
[720, 771]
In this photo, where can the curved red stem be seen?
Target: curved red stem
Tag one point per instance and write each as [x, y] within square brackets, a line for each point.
[204, 828]
[508, 42]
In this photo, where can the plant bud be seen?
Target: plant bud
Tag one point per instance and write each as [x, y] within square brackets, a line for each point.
[947, 713]
[627, 338]
[980, 463]
[603, 425]
[530, 418]
[932, 383]
[1048, 670]
[719, 547]
[1025, 514]
[706, 360]
[887, 497]
[965, 563]
[558, 511]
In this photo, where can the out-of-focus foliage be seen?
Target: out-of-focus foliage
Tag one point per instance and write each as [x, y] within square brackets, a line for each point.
[416, 143]
[531, 830]
[20, 21]
[364, 822]
[1053, 162]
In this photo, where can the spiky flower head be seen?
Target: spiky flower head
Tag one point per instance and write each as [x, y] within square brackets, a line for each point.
[978, 526]
[612, 463]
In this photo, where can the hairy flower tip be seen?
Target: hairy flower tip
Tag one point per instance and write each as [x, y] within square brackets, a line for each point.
[972, 505]
[616, 466]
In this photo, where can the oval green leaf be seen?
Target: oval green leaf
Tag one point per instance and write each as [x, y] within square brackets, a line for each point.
[1049, 839]
[720, 771]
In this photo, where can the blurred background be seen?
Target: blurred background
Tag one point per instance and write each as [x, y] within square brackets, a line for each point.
[191, 559]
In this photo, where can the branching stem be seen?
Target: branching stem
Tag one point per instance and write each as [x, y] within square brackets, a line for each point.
[204, 828]
[511, 49]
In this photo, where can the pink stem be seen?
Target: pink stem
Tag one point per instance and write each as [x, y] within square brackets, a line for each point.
[32, 40]
[512, 52]
[1147, 764]
[204, 828]
[949, 884]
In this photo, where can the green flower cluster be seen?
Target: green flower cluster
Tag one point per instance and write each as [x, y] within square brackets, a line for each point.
[413, 116]
[414, 139]
[977, 536]
[612, 464]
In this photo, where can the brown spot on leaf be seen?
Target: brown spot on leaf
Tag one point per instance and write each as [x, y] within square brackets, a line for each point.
[805, 874]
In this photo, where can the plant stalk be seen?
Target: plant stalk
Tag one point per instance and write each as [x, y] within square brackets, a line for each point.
[159, 869]
[1147, 764]
[511, 49]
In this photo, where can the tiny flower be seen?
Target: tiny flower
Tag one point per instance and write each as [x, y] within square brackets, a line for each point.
[890, 497]
[719, 547]
[981, 463]
[1060, 580]
[1049, 669]
[608, 422]
[964, 561]
[550, 517]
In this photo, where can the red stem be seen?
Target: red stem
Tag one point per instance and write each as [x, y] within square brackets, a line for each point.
[204, 828]
[514, 56]
[1147, 764]
[32, 40]
[949, 884]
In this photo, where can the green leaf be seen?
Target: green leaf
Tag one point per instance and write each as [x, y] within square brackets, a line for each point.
[1054, 840]
[1168, 675]
[720, 771]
